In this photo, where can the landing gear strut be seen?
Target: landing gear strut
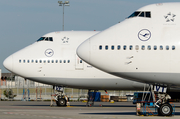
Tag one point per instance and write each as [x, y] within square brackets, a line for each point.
[61, 99]
[164, 108]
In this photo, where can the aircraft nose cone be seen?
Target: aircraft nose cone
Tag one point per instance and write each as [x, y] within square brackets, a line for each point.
[8, 64]
[83, 51]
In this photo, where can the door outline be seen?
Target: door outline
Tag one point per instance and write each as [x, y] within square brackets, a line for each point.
[79, 63]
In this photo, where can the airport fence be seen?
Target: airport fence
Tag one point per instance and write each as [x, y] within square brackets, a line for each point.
[27, 90]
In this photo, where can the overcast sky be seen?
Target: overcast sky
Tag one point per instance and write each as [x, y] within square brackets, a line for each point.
[22, 22]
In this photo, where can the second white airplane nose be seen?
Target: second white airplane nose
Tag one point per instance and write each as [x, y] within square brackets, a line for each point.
[8, 63]
[83, 51]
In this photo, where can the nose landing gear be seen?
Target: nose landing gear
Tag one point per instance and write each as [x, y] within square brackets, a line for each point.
[61, 99]
[158, 100]
[61, 102]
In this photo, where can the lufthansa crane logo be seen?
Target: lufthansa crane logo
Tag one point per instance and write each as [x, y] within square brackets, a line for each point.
[144, 35]
[49, 52]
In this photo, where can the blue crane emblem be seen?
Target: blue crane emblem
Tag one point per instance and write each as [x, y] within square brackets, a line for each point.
[49, 52]
[144, 35]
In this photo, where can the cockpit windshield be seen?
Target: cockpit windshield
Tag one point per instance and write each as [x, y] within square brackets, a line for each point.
[45, 39]
[146, 14]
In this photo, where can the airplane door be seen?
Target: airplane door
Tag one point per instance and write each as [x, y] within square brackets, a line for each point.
[79, 64]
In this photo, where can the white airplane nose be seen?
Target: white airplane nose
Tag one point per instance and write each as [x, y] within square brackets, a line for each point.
[83, 51]
[8, 63]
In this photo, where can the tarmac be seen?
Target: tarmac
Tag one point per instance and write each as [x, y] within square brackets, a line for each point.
[76, 110]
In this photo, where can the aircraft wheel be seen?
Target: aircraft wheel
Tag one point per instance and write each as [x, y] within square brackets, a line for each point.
[57, 103]
[165, 110]
[159, 113]
[61, 102]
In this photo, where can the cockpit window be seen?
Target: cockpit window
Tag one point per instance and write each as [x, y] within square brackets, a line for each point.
[135, 14]
[40, 39]
[146, 14]
[45, 39]
[50, 39]
[142, 14]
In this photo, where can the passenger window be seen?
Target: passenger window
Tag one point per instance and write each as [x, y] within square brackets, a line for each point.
[24, 61]
[137, 47]
[48, 61]
[36, 61]
[167, 47]
[80, 61]
[143, 47]
[28, 61]
[64, 61]
[19, 61]
[118, 47]
[40, 61]
[32, 61]
[60, 61]
[44, 61]
[100, 47]
[149, 47]
[155, 47]
[52, 61]
[106, 47]
[173, 47]
[56, 61]
[130, 47]
[161, 47]
[68, 61]
[124, 47]
[112, 47]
